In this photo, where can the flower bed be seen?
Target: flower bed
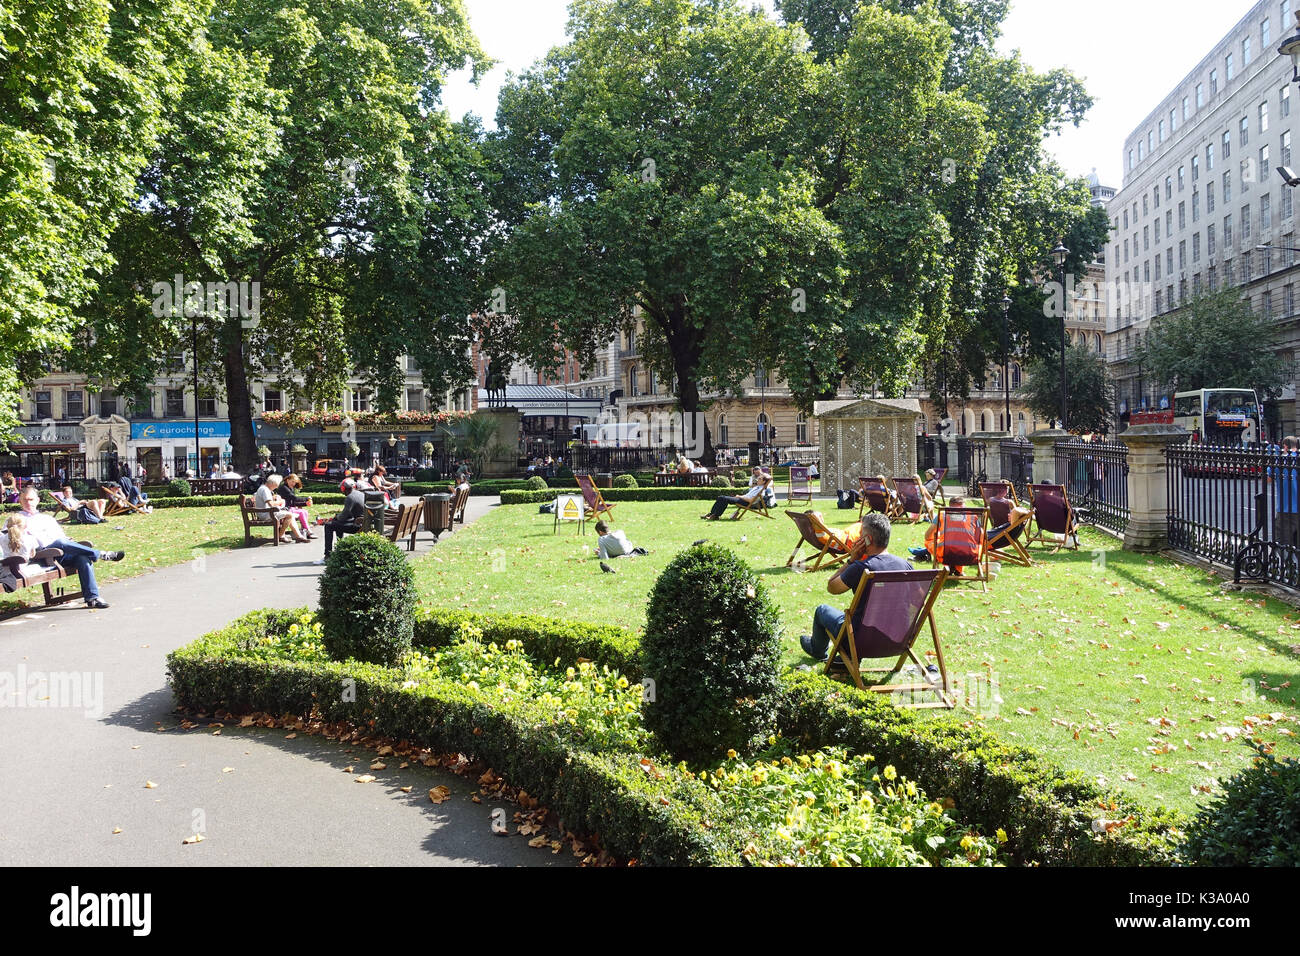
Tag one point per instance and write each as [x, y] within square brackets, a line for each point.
[572, 736]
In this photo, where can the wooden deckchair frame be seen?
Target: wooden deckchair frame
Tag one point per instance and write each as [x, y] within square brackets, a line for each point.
[947, 697]
[810, 526]
[893, 509]
[939, 475]
[926, 511]
[981, 564]
[988, 487]
[119, 504]
[1038, 535]
[597, 508]
[806, 494]
[1013, 551]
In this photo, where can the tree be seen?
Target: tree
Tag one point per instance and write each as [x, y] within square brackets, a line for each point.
[1090, 396]
[308, 161]
[1215, 340]
[1005, 207]
[83, 87]
[681, 158]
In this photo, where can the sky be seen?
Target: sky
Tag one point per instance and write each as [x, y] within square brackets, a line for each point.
[1129, 53]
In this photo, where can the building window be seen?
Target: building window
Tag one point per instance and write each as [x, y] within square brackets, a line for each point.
[360, 400]
[44, 404]
[1155, 197]
[1139, 151]
[1146, 206]
[1196, 168]
[1196, 247]
[1182, 215]
[1169, 261]
[1186, 111]
[207, 405]
[1288, 299]
[411, 364]
[1245, 52]
[1196, 205]
[175, 363]
[1284, 101]
[1130, 160]
[762, 425]
[74, 404]
[1157, 265]
[1264, 34]
[415, 400]
[272, 400]
[1169, 187]
[1228, 72]
[1244, 128]
[1209, 240]
[1160, 131]
[1156, 223]
[1200, 95]
[722, 431]
[1209, 197]
[1227, 186]
[176, 402]
[1157, 292]
[1146, 238]
[1263, 117]
[1214, 82]
[631, 382]
[1182, 254]
[142, 404]
[1286, 207]
[1245, 223]
[1227, 143]
[801, 429]
[1227, 231]
[1125, 218]
[107, 403]
[1265, 213]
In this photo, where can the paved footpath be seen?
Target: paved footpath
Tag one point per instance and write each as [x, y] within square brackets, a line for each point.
[74, 777]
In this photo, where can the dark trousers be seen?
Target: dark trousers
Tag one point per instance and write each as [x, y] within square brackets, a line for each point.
[333, 528]
[79, 558]
[723, 502]
[1285, 528]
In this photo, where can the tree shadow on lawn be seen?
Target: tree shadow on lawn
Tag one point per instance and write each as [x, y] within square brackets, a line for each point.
[461, 829]
[1135, 568]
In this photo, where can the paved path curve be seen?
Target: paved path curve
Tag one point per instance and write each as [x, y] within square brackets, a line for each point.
[74, 777]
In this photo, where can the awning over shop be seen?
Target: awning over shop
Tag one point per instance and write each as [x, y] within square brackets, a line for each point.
[542, 401]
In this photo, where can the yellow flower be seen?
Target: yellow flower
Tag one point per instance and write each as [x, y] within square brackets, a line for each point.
[731, 755]
[1002, 835]
[771, 740]
[967, 842]
[891, 773]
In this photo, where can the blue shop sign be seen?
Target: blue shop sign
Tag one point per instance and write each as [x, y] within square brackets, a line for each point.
[155, 431]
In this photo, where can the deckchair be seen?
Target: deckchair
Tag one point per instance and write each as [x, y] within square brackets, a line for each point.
[119, 504]
[62, 506]
[960, 541]
[828, 542]
[878, 496]
[884, 620]
[913, 500]
[1052, 516]
[939, 475]
[800, 485]
[998, 489]
[758, 506]
[1006, 547]
[597, 506]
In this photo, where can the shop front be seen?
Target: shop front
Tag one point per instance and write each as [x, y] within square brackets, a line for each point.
[165, 449]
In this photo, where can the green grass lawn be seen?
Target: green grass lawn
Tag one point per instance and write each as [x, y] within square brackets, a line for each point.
[1131, 668]
[168, 536]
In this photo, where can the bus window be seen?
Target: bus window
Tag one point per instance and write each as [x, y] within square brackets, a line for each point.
[1186, 406]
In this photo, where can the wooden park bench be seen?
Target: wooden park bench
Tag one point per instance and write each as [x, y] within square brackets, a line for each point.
[216, 486]
[255, 517]
[53, 571]
[407, 523]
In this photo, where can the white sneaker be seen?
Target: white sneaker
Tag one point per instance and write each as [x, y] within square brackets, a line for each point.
[319, 561]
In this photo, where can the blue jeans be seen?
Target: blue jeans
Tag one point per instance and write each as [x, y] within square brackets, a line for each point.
[827, 621]
[79, 558]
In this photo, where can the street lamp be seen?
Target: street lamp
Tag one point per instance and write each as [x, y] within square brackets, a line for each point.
[1291, 47]
[1006, 360]
[1059, 254]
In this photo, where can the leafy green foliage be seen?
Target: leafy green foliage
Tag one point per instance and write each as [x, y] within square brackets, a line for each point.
[179, 488]
[711, 647]
[1214, 340]
[719, 481]
[830, 809]
[1255, 821]
[535, 483]
[625, 481]
[1090, 395]
[367, 600]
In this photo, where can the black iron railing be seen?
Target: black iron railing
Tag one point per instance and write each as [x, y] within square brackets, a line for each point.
[1095, 473]
[1238, 506]
[1018, 465]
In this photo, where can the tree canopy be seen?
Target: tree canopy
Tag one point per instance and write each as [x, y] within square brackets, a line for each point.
[1090, 396]
[1214, 340]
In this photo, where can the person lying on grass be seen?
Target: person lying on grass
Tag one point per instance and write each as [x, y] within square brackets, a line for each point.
[870, 554]
[614, 544]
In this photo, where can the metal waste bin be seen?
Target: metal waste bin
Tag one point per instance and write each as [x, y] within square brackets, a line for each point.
[374, 516]
[437, 514]
[603, 479]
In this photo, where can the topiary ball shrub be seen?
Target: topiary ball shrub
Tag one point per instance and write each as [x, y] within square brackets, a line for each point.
[564, 476]
[179, 488]
[720, 481]
[711, 646]
[1255, 821]
[625, 481]
[535, 483]
[367, 601]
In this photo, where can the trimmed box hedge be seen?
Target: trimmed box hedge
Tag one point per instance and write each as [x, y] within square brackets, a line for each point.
[671, 822]
[1047, 811]
[612, 494]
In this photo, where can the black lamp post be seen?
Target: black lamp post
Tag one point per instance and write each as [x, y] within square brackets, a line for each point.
[1059, 254]
[1006, 360]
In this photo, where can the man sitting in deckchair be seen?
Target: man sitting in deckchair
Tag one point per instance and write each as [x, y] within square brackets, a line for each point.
[1009, 520]
[870, 554]
[760, 485]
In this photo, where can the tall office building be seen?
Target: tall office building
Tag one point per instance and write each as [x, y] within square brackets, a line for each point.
[1201, 196]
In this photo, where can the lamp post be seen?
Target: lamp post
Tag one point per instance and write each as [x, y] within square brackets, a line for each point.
[1059, 254]
[1290, 47]
[1006, 360]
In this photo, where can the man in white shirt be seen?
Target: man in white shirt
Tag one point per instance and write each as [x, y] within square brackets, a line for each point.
[614, 544]
[44, 532]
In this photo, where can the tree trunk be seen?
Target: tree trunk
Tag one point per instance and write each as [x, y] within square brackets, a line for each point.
[239, 403]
